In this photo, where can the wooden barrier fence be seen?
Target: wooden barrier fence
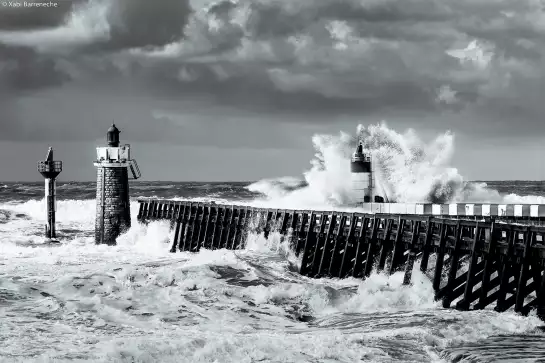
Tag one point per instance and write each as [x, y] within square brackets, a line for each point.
[476, 262]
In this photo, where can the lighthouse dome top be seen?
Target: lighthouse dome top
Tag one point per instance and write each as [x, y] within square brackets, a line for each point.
[112, 137]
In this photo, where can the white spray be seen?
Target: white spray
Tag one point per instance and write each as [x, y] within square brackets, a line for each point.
[407, 170]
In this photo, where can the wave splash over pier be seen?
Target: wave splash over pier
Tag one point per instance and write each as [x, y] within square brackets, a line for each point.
[407, 170]
[136, 302]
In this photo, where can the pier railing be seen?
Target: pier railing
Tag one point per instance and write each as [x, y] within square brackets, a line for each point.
[477, 263]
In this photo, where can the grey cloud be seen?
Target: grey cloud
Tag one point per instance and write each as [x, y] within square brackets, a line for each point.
[205, 132]
[96, 26]
[222, 8]
[281, 18]
[26, 18]
[73, 114]
[250, 89]
[23, 69]
[285, 56]
[143, 23]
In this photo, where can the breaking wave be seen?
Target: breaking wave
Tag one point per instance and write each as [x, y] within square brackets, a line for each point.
[407, 170]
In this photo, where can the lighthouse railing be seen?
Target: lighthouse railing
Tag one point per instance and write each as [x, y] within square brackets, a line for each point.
[135, 170]
[49, 166]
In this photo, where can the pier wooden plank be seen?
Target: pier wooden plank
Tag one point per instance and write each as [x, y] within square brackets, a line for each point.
[201, 226]
[328, 247]
[412, 253]
[191, 245]
[371, 247]
[301, 233]
[175, 241]
[223, 227]
[539, 302]
[149, 214]
[229, 228]
[440, 259]
[338, 247]
[228, 220]
[427, 245]
[455, 257]
[245, 232]
[208, 226]
[472, 271]
[506, 271]
[325, 222]
[141, 209]
[292, 232]
[386, 243]
[361, 244]
[398, 247]
[170, 210]
[186, 229]
[310, 246]
[521, 291]
[216, 235]
[239, 223]
[349, 248]
[490, 265]
[268, 223]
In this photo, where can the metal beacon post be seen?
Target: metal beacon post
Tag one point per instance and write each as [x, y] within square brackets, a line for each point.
[49, 170]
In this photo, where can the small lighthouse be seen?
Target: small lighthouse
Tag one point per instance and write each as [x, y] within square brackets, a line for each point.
[114, 165]
[362, 176]
[50, 169]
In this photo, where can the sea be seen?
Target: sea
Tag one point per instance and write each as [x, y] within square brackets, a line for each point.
[136, 302]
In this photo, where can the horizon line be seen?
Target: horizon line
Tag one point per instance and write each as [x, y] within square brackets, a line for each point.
[233, 181]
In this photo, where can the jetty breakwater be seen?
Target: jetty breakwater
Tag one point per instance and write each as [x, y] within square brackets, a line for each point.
[478, 255]
[487, 261]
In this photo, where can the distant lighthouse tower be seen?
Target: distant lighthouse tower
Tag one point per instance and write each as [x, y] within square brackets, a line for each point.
[50, 169]
[113, 163]
[362, 176]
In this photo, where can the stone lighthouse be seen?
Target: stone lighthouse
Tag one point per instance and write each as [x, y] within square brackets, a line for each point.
[114, 166]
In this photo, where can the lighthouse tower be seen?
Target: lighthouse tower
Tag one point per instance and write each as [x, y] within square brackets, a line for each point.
[50, 169]
[114, 165]
[362, 176]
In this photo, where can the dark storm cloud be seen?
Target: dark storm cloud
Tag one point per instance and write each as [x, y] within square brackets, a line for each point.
[223, 135]
[31, 18]
[23, 69]
[144, 23]
[269, 19]
[9, 128]
[286, 56]
[72, 115]
[250, 89]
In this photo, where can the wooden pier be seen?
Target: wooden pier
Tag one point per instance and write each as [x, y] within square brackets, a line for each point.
[476, 263]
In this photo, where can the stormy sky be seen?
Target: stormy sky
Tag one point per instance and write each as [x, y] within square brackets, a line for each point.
[234, 90]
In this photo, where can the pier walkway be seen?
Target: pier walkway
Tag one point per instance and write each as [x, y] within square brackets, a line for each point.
[475, 260]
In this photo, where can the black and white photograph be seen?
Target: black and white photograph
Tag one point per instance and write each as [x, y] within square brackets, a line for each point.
[266, 181]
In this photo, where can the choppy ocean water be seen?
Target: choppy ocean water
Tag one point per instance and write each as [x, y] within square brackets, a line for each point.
[136, 302]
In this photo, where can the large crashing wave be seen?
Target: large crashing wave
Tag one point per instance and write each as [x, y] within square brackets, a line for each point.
[407, 170]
